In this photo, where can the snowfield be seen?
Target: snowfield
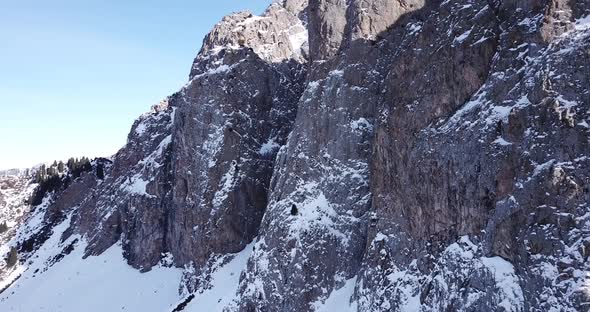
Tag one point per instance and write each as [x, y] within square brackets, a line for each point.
[108, 283]
[103, 283]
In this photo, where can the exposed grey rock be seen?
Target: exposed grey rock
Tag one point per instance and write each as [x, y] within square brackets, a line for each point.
[277, 35]
[327, 21]
[369, 18]
[193, 178]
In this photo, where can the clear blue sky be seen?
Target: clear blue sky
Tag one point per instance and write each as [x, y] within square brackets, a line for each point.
[75, 74]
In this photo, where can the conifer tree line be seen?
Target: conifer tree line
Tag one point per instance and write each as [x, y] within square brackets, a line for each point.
[58, 175]
[74, 167]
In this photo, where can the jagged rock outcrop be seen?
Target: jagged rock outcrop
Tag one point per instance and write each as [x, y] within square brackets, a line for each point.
[336, 23]
[475, 168]
[193, 178]
[440, 217]
[327, 21]
[369, 155]
[278, 35]
[369, 18]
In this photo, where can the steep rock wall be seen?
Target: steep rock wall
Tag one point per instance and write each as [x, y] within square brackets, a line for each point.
[193, 179]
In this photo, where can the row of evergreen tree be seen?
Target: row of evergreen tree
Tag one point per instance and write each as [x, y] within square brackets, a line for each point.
[74, 167]
[57, 176]
[52, 178]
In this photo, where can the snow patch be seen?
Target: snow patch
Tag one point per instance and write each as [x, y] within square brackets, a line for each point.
[251, 20]
[566, 104]
[221, 69]
[336, 72]
[462, 37]
[97, 283]
[361, 124]
[151, 159]
[226, 185]
[414, 28]
[299, 38]
[224, 283]
[501, 141]
[312, 86]
[583, 23]
[140, 130]
[136, 185]
[268, 147]
[507, 283]
[315, 211]
[102, 283]
[339, 300]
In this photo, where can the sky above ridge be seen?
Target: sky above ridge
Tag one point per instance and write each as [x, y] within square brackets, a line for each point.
[74, 75]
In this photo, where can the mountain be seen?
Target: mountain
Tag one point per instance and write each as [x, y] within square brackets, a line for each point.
[331, 155]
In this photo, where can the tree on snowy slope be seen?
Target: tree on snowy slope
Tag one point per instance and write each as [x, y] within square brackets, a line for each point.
[12, 257]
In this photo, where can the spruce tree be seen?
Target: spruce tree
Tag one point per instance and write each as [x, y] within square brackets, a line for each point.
[3, 227]
[100, 171]
[12, 257]
[41, 174]
[294, 210]
[71, 163]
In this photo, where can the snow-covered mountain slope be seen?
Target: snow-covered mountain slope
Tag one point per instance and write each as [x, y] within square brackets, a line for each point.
[59, 278]
[357, 155]
[15, 189]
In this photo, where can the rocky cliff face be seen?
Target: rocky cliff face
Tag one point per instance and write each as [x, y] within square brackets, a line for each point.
[370, 156]
[193, 178]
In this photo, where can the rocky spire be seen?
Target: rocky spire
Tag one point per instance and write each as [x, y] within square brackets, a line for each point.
[279, 34]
